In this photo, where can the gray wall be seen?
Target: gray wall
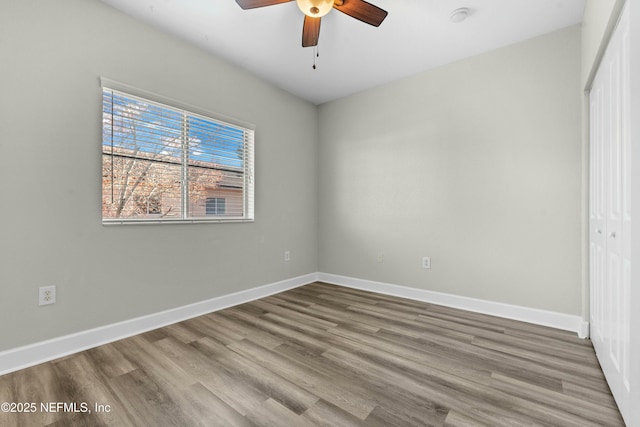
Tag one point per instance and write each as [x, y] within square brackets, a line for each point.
[476, 164]
[52, 54]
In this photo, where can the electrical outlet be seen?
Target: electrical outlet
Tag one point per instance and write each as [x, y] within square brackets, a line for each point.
[380, 257]
[287, 256]
[426, 262]
[46, 295]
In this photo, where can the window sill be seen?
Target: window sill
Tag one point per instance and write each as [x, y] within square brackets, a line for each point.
[110, 222]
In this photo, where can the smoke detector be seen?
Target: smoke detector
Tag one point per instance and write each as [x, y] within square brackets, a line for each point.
[459, 15]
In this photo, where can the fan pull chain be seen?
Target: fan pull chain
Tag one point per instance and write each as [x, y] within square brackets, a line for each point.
[316, 54]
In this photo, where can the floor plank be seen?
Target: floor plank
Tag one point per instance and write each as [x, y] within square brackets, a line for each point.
[325, 355]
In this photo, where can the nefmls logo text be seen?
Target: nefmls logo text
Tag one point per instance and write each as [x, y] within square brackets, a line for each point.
[64, 407]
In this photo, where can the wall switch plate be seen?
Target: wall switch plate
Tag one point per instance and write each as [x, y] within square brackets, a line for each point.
[380, 257]
[426, 262]
[287, 255]
[46, 295]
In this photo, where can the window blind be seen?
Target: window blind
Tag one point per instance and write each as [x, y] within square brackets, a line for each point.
[164, 164]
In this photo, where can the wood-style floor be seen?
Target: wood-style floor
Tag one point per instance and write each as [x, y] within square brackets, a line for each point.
[324, 355]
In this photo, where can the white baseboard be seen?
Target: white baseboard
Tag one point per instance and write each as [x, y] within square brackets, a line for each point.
[552, 319]
[34, 354]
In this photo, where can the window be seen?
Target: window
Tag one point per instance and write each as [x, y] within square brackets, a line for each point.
[161, 163]
[215, 206]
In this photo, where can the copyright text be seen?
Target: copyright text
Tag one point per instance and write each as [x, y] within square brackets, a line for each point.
[53, 407]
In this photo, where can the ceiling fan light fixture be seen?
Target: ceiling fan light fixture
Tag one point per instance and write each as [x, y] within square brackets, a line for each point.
[459, 15]
[315, 8]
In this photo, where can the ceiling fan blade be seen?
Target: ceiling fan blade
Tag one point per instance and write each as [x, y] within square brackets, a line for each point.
[310, 31]
[360, 9]
[252, 4]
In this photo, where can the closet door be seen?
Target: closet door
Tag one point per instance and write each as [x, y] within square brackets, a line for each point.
[610, 214]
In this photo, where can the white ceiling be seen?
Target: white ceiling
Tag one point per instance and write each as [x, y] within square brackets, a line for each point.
[416, 35]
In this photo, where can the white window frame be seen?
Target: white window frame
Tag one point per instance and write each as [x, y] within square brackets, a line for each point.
[248, 173]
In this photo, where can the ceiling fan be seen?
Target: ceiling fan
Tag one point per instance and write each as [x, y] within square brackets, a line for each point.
[314, 10]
